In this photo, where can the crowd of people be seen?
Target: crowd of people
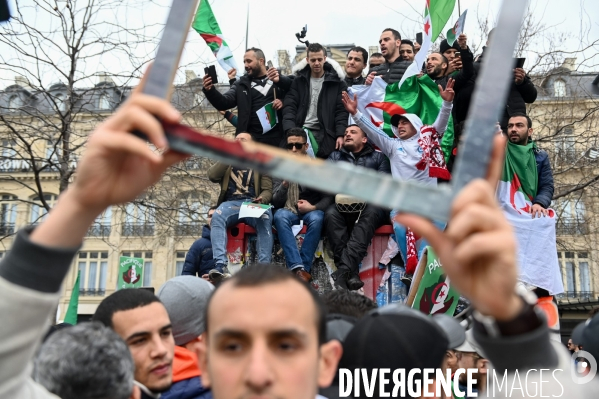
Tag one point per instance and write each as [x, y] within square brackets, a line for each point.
[265, 332]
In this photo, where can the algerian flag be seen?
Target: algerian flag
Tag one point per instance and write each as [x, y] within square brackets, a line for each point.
[419, 96]
[457, 29]
[130, 272]
[537, 249]
[416, 66]
[268, 117]
[435, 294]
[206, 25]
[312, 143]
[439, 11]
[71, 316]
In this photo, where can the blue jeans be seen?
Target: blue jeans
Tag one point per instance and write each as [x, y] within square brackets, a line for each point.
[227, 215]
[313, 221]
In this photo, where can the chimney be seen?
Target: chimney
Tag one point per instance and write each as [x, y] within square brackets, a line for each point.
[104, 77]
[190, 75]
[22, 81]
[569, 64]
[372, 50]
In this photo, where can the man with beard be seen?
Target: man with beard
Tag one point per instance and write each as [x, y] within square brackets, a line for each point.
[394, 67]
[354, 66]
[349, 234]
[257, 88]
[436, 67]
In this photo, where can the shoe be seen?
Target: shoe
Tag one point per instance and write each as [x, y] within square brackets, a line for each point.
[303, 275]
[217, 277]
[354, 283]
[340, 279]
[407, 280]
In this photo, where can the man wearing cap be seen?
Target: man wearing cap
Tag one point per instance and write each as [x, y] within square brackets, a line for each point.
[468, 357]
[185, 299]
[415, 155]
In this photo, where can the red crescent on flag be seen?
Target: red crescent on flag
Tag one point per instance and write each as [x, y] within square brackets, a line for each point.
[209, 38]
[390, 108]
[434, 295]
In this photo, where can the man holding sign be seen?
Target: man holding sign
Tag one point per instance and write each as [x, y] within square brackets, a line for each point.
[239, 186]
[257, 96]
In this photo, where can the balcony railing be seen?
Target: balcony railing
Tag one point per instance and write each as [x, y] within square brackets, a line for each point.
[575, 294]
[92, 291]
[136, 229]
[99, 230]
[193, 229]
[571, 226]
[7, 229]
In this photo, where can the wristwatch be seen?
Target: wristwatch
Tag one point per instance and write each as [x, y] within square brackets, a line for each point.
[528, 319]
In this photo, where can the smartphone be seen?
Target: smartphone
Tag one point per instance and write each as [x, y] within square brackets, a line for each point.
[419, 38]
[268, 65]
[211, 71]
[520, 62]
[458, 55]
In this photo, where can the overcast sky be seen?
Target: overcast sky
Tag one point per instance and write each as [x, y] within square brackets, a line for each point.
[273, 25]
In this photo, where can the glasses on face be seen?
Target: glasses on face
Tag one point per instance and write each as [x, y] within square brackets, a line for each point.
[297, 146]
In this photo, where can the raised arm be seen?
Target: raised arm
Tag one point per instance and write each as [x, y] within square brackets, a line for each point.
[447, 95]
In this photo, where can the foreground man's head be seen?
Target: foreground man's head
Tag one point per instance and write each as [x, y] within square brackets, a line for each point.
[265, 335]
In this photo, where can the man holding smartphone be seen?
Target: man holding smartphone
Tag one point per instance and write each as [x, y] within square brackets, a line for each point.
[255, 95]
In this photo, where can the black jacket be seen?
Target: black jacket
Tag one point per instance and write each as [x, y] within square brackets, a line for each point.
[360, 80]
[239, 96]
[518, 96]
[545, 182]
[393, 72]
[199, 259]
[367, 158]
[331, 113]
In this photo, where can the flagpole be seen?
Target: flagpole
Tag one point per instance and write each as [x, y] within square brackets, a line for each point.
[247, 26]
[459, 10]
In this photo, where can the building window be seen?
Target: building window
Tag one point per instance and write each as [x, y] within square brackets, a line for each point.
[180, 262]
[104, 102]
[559, 88]
[571, 217]
[61, 103]
[575, 274]
[101, 226]
[53, 153]
[93, 271]
[193, 208]
[14, 102]
[566, 146]
[38, 211]
[147, 272]
[139, 220]
[8, 214]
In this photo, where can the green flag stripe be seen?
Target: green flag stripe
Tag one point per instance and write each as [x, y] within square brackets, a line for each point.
[71, 315]
[205, 21]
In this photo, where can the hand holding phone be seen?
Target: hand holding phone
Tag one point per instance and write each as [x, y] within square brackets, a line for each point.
[211, 71]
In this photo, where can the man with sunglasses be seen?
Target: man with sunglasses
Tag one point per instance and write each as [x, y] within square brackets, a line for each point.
[297, 204]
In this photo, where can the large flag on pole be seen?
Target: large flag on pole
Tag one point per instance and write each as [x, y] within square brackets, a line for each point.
[206, 25]
[71, 316]
[439, 11]
[419, 96]
[416, 67]
[537, 249]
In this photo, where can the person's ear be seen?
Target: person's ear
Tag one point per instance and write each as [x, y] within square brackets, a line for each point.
[330, 354]
[136, 394]
[202, 353]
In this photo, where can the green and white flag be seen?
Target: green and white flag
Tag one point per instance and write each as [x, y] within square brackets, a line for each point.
[457, 30]
[71, 316]
[435, 294]
[268, 117]
[206, 25]
[519, 180]
[130, 272]
[439, 12]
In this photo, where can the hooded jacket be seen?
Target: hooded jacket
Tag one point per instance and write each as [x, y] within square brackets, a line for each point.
[187, 383]
[199, 257]
[332, 116]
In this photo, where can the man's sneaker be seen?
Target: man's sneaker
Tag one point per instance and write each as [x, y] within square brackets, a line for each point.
[354, 283]
[302, 274]
[407, 280]
[217, 277]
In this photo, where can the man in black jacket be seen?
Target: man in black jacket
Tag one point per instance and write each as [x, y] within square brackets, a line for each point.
[357, 57]
[394, 67]
[257, 88]
[296, 203]
[314, 102]
[350, 233]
